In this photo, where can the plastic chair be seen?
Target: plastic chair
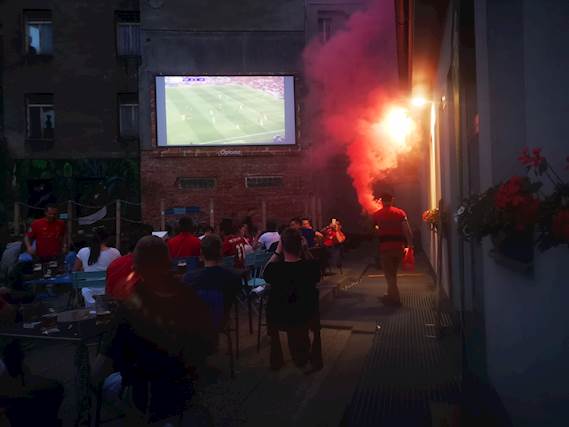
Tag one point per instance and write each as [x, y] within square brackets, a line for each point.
[81, 279]
[215, 300]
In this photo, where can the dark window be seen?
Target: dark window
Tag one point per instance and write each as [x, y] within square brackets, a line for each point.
[128, 115]
[196, 183]
[263, 181]
[38, 32]
[40, 116]
[128, 33]
[324, 29]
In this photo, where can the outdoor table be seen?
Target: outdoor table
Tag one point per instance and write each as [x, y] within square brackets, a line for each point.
[77, 335]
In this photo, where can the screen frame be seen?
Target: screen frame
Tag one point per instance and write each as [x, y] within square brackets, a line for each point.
[229, 146]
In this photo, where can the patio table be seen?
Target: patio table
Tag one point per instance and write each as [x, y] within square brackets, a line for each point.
[72, 333]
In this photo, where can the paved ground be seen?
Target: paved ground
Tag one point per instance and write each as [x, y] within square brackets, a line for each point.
[381, 368]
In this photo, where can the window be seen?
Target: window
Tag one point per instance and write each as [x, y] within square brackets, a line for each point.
[324, 29]
[128, 115]
[40, 116]
[39, 34]
[128, 33]
[196, 183]
[263, 181]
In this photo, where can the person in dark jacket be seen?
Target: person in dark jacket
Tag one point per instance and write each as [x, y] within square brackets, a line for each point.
[293, 303]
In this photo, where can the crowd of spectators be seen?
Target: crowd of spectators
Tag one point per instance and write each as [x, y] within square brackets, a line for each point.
[165, 327]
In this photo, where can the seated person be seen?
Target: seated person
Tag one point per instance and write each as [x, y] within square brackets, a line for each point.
[98, 255]
[184, 244]
[163, 332]
[213, 275]
[269, 237]
[233, 244]
[121, 278]
[9, 259]
[207, 230]
[95, 257]
[293, 302]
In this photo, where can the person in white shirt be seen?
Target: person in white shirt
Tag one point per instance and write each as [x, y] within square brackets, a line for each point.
[269, 237]
[98, 255]
[95, 257]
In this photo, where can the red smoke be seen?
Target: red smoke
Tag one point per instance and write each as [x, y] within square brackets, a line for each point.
[352, 82]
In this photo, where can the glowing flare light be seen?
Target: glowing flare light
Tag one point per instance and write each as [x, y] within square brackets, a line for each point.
[397, 126]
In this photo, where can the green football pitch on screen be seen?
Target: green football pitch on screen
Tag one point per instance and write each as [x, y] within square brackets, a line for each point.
[225, 111]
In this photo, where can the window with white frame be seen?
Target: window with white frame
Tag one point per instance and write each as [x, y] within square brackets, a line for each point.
[128, 33]
[40, 117]
[128, 115]
[39, 32]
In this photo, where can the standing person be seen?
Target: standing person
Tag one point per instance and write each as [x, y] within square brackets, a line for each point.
[333, 239]
[295, 223]
[49, 234]
[309, 233]
[185, 244]
[393, 231]
[293, 303]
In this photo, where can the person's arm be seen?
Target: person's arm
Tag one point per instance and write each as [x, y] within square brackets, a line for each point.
[28, 242]
[78, 264]
[407, 232]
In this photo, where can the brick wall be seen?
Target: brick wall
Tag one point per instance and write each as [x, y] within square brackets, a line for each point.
[160, 169]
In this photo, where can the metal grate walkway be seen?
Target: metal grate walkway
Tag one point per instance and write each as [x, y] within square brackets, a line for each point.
[406, 370]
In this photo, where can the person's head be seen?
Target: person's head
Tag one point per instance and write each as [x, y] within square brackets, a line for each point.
[227, 228]
[51, 212]
[295, 223]
[306, 223]
[244, 230]
[386, 199]
[207, 230]
[211, 247]
[292, 241]
[100, 238]
[152, 260]
[186, 225]
[271, 226]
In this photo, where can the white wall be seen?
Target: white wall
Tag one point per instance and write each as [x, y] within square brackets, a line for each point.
[523, 94]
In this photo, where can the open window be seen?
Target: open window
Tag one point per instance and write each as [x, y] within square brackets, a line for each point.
[40, 117]
[38, 32]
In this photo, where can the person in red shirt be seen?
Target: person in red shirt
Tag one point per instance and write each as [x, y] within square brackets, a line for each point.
[185, 244]
[49, 234]
[233, 243]
[394, 232]
[121, 278]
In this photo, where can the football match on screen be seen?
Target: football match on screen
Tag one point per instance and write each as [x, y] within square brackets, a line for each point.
[228, 110]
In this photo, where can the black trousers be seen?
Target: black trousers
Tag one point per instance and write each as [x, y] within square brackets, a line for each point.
[302, 349]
